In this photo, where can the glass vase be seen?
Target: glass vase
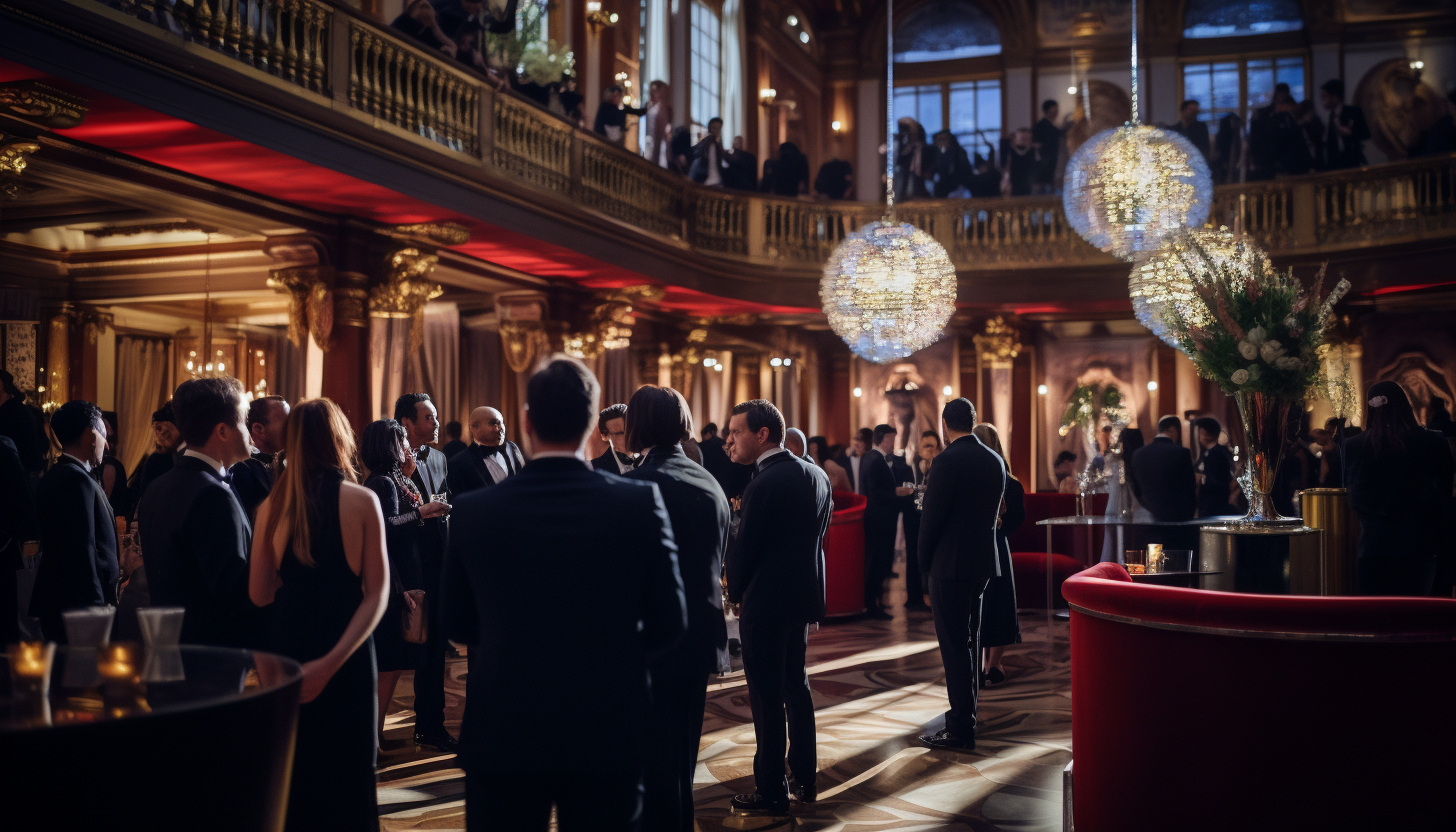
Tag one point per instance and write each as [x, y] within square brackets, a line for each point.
[1266, 423]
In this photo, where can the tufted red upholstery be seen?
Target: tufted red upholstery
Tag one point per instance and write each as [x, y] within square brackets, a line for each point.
[844, 555]
[1193, 731]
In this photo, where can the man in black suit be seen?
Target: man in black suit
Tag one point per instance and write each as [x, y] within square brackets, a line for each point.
[18, 425]
[852, 459]
[658, 420]
[253, 477]
[1345, 129]
[1215, 470]
[958, 551]
[1162, 477]
[1188, 125]
[489, 459]
[78, 565]
[877, 483]
[453, 444]
[195, 536]
[416, 413]
[615, 601]
[17, 526]
[776, 579]
[612, 428]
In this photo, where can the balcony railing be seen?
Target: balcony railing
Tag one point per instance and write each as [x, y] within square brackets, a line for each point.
[332, 56]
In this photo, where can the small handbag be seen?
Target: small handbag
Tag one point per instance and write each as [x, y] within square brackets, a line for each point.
[416, 626]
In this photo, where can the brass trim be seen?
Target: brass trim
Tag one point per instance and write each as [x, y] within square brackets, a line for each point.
[1370, 638]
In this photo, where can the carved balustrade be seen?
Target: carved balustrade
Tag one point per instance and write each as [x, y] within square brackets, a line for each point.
[329, 49]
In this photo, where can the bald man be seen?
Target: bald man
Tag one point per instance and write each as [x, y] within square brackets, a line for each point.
[489, 459]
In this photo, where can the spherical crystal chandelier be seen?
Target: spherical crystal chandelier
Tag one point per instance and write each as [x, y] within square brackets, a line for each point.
[1126, 189]
[889, 288]
[1161, 284]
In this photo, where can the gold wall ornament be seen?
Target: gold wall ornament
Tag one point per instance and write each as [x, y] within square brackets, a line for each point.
[998, 346]
[308, 312]
[13, 152]
[439, 233]
[93, 321]
[406, 290]
[43, 104]
[522, 341]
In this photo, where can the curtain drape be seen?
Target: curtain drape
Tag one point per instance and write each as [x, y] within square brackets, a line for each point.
[396, 369]
[388, 346]
[141, 369]
[732, 69]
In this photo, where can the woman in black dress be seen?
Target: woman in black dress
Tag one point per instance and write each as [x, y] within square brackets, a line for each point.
[1400, 485]
[318, 558]
[999, 626]
[384, 450]
[926, 451]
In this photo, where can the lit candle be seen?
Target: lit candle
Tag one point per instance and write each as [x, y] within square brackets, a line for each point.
[115, 662]
[31, 660]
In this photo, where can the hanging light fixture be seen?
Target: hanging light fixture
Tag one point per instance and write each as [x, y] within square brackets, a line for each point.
[1161, 284]
[1128, 188]
[889, 288]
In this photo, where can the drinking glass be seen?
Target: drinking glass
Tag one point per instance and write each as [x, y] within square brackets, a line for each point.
[1179, 560]
[1155, 557]
[1134, 560]
[161, 626]
[89, 626]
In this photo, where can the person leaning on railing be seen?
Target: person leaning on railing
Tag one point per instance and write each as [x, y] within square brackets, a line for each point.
[419, 22]
[612, 116]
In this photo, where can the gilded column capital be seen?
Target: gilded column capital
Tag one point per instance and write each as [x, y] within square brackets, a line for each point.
[998, 346]
[311, 301]
[406, 289]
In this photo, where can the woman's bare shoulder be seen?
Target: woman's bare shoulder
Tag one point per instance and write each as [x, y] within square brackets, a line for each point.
[354, 495]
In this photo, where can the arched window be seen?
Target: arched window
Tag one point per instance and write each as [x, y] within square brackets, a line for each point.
[706, 52]
[1222, 18]
[944, 30]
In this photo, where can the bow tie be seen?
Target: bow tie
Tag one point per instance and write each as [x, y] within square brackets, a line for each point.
[227, 476]
[423, 452]
[487, 450]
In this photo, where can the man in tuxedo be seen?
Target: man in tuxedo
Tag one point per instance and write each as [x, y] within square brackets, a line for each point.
[851, 459]
[958, 541]
[1345, 130]
[1215, 470]
[490, 458]
[253, 477]
[416, 413]
[1162, 477]
[78, 565]
[616, 600]
[612, 427]
[194, 533]
[453, 444]
[658, 419]
[776, 581]
[877, 483]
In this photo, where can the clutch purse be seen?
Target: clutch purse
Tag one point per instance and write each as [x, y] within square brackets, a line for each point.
[416, 627]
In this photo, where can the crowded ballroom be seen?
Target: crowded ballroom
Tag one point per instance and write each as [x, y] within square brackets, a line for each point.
[699, 415]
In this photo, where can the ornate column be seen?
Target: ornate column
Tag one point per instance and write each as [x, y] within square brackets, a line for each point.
[996, 349]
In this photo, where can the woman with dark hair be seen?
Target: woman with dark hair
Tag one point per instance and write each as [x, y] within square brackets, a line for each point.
[384, 450]
[318, 559]
[790, 171]
[926, 450]
[113, 473]
[658, 421]
[838, 477]
[1400, 485]
[999, 626]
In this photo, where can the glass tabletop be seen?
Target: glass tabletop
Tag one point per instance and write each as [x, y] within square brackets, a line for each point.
[1102, 520]
[126, 681]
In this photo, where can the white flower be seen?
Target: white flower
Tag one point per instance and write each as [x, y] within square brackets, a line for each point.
[1254, 372]
[1270, 350]
[1248, 350]
[1239, 377]
[1291, 322]
[1288, 362]
[1256, 336]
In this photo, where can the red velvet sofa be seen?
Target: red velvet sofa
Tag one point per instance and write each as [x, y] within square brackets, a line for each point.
[1074, 548]
[844, 556]
[1216, 711]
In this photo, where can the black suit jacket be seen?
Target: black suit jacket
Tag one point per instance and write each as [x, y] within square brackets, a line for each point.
[1163, 480]
[252, 480]
[1196, 134]
[962, 501]
[606, 464]
[600, 549]
[18, 424]
[1217, 465]
[451, 448]
[1347, 151]
[877, 483]
[700, 517]
[901, 472]
[776, 560]
[468, 472]
[78, 565]
[431, 476]
[195, 541]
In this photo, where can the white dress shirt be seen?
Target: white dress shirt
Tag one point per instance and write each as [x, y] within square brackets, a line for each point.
[211, 463]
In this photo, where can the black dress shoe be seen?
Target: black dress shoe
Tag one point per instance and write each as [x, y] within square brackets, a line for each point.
[438, 740]
[757, 804]
[802, 793]
[943, 739]
[878, 614]
[995, 676]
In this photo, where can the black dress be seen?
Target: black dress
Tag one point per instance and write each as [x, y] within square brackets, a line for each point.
[333, 761]
[999, 626]
[1403, 496]
[401, 525]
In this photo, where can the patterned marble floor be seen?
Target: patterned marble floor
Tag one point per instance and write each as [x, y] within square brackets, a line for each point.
[877, 685]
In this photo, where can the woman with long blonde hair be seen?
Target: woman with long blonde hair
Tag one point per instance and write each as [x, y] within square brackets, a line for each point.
[318, 559]
[999, 626]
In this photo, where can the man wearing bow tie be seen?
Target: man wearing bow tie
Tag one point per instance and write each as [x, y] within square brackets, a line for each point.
[253, 477]
[612, 425]
[193, 530]
[416, 412]
[489, 459]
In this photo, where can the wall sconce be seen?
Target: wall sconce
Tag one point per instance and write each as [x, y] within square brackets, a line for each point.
[596, 18]
[1152, 387]
[858, 392]
[947, 390]
[1416, 67]
[1041, 389]
[1072, 90]
[767, 96]
[837, 126]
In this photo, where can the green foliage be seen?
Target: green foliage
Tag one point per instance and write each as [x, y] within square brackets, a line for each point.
[1088, 402]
